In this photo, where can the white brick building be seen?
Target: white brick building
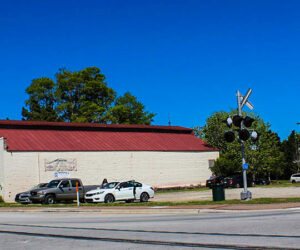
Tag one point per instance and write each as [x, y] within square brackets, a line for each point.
[161, 156]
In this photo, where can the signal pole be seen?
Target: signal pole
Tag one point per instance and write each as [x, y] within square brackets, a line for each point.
[242, 100]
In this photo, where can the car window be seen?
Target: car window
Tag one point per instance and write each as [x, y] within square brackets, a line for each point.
[110, 185]
[73, 182]
[126, 184]
[137, 184]
[53, 183]
[65, 184]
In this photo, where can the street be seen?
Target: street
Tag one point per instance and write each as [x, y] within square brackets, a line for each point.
[273, 229]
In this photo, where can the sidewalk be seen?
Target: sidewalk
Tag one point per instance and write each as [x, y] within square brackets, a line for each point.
[192, 209]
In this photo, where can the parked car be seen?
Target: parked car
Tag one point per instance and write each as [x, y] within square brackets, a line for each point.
[60, 190]
[24, 197]
[237, 181]
[128, 191]
[295, 178]
[262, 181]
[214, 180]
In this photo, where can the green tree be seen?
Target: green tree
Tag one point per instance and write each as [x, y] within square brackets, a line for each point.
[41, 103]
[290, 148]
[128, 110]
[263, 156]
[81, 96]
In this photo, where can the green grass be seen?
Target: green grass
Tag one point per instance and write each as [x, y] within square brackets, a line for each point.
[153, 204]
[280, 183]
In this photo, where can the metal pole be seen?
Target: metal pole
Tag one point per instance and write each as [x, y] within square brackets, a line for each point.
[244, 170]
[245, 195]
[77, 191]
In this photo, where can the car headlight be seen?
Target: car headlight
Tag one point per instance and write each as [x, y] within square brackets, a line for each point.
[99, 193]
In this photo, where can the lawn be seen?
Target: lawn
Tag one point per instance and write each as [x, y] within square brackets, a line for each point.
[166, 203]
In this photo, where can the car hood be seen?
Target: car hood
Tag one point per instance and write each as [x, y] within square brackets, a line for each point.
[38, 189]
[98, 190]
[27, 192]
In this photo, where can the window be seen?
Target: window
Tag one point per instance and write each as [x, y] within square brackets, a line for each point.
[65, 184]
[73, 182]
[53, 184]
[126, 185]
[110, 185]
[211, 163]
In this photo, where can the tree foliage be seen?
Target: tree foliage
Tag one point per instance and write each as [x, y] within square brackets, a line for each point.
[81, 96]
[41, 102]
[263, 156]
[290, 148]
[129, 110]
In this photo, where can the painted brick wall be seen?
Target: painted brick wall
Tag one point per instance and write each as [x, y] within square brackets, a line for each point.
[23, 170]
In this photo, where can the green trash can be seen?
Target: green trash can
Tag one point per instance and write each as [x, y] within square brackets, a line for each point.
[218, 192]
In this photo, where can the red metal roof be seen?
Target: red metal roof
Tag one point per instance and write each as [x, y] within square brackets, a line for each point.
[62, 136]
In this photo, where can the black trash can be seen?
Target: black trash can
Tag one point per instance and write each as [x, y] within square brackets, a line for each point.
[218, 191]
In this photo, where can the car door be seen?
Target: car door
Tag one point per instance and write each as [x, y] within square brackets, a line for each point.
[124, 191]
[65, 190]
[74, 191]
[138, 189]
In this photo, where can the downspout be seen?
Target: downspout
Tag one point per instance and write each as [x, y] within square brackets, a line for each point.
[2, 179]
[39, 168]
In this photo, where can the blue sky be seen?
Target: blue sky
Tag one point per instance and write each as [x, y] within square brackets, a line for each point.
[183, 59]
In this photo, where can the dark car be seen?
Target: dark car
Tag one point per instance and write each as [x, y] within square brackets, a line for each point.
[215, 180]
[237, 181]
[262, 181]
[25, 196]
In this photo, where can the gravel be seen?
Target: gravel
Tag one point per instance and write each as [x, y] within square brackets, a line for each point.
[230, 193]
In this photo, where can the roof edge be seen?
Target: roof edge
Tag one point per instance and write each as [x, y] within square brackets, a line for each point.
[15, 124]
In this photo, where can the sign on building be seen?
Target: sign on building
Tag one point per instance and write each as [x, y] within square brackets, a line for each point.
[60, 165]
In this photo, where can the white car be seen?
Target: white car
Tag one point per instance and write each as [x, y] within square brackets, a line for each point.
[128, 191]
[295, 178]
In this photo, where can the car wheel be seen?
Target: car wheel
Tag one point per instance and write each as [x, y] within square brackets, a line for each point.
[50, 199]
[144, 197]
[109, 198]
[293, 181]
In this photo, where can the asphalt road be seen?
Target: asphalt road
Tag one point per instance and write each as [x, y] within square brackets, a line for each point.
[273, 229]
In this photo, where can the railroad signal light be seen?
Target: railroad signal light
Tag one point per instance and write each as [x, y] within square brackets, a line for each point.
[254, 136]
[229, 136]
[237, 120]
[244, 134]
[228, 122]
[248, 121]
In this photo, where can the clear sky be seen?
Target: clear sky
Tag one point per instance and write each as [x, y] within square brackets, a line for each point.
[184, 59]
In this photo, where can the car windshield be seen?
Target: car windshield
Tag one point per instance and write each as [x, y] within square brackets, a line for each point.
[40, 186]
[53, 183]
[110, 185]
